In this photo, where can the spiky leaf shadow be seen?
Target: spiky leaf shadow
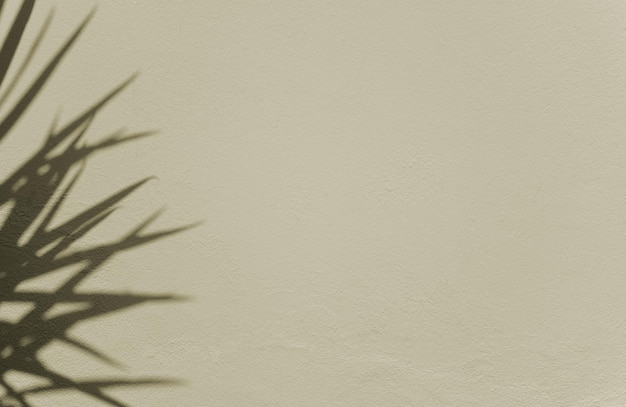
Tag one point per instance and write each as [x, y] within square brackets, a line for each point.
[33, 244]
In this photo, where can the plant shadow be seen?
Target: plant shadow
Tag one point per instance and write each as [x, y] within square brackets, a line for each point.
[34, 244]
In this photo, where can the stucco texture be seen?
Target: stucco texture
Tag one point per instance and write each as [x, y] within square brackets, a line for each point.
[408, 203]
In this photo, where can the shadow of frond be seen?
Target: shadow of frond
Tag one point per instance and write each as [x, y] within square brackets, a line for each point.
[33, 243]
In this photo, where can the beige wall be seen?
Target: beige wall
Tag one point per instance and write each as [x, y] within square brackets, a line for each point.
[408, 203]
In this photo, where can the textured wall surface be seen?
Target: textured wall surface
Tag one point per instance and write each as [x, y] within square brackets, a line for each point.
[410, 203]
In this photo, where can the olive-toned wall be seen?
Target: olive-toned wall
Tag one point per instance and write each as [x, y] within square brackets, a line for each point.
[409, 203]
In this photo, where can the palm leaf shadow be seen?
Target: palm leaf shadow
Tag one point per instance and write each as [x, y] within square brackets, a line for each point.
[32, 246]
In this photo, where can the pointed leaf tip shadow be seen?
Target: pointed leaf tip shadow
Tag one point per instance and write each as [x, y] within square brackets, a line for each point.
[91, 351]
[62, 134]
[44, 238]
[22, 105]
[28, 58]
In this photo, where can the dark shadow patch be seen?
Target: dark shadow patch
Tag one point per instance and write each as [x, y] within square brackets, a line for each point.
[33, 244]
